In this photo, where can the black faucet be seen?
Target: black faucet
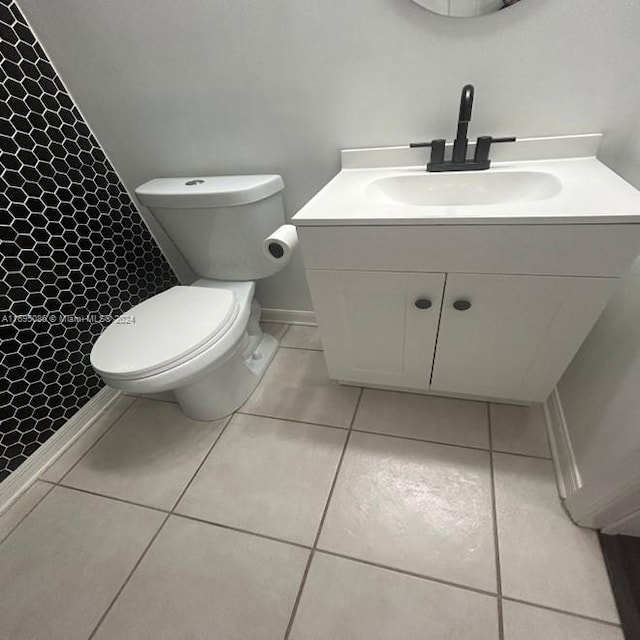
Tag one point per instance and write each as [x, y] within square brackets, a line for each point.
[459, 161]
[464, 118]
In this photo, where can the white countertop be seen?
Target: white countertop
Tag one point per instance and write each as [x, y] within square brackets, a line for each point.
[591, 194]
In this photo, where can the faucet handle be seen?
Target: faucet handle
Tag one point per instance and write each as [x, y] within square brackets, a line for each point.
[437, 149]
[483, 146]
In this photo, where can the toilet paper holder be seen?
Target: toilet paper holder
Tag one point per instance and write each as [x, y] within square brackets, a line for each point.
[279, 246]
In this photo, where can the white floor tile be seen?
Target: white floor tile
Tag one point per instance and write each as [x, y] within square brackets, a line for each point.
[65, 562]
[416, 506]
[544, 557]
[275, 329]
[21, 507]
[523, 622]
[302, 337]
[423, 417]
[61, 466]
[202, 581]
[296, 386]
[268, 476]
[148, 456]
[343, 599]
[519, 430]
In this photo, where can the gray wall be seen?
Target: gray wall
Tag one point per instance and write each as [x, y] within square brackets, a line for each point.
[600, 391]
[224, 86]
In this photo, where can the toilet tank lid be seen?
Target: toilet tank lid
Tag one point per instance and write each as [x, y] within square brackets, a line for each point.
[208, 191]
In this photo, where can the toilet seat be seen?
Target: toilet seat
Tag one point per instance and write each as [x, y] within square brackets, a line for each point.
[165, 331]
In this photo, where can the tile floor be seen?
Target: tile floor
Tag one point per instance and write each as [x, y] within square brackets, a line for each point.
[315, 512]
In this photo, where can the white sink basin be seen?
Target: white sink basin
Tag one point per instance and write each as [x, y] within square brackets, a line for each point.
[459, 189]
[553, 180]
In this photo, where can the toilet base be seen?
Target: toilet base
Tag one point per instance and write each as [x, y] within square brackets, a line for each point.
[226, 388]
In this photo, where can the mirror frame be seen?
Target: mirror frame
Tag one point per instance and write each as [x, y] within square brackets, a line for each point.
[465, 8]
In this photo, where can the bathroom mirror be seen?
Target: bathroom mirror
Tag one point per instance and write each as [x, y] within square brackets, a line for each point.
[465, 8]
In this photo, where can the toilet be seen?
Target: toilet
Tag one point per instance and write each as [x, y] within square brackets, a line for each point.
[202, 343]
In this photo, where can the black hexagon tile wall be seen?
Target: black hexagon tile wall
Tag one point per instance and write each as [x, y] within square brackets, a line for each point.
[73, 247]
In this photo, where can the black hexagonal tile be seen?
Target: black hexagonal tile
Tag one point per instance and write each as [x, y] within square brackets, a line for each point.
[72, 244]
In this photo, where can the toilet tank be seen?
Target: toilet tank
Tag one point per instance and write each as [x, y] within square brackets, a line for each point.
[219, 223]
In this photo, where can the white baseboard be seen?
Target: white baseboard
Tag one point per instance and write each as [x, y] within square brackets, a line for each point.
[564, 461]
[613, 502]
[31, 469]
[289, 316]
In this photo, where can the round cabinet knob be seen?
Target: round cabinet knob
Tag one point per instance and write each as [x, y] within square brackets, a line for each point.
[462, 305]
[423, 303]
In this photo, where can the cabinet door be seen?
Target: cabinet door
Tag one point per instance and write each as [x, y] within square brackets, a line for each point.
[519, 334]
[372, 331]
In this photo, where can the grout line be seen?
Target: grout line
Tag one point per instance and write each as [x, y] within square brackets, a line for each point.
[389, 435]
[448, 444]
[195, 473]
[303, 581]
[562, 611]
[521, 455]
[494, 516]
[24, 517]
[296, 603]
[287, 346]
[126, 582]
[406, 572]
[148, 398]
[439, 442]
[102, 495]
[102, 435]
[221, 525]
[338, 467]
[313, 424]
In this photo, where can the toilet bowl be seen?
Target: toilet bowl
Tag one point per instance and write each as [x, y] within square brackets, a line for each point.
[199, 342]
[202, 343]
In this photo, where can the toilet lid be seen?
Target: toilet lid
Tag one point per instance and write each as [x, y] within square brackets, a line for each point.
[164, 330]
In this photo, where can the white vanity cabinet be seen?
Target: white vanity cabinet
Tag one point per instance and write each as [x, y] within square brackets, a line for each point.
[378, 327]
[403, 330]
[518, 335]
[531, 300]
